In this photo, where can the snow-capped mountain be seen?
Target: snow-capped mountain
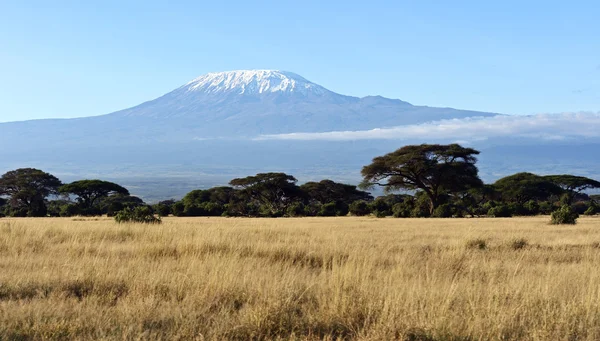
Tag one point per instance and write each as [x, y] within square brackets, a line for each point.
[253, 82]
[215, 123]
[254, 102]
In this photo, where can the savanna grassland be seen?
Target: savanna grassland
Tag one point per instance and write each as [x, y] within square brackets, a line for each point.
[307, 278]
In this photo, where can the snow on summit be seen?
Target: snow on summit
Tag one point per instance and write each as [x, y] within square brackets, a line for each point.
[253, 82]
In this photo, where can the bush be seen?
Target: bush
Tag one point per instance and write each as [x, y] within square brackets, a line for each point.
[177, 209]
[443, 211]
[546, 207]
[140, 214]
[328, 210]
[163, 210]
[592, 210]
[295, 210]
[532, 207]
[501, 211]
[403, 209]
[564, 215]
[359, 208]
[379, 206]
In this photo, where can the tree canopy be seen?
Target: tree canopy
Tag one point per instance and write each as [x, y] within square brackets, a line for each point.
[572, 184]
[327, 191]
[27, 188]
[273, 190]
[522, 187]
[89, 191]
[435, 169]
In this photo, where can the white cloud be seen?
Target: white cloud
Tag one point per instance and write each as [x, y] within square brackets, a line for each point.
[542, 126]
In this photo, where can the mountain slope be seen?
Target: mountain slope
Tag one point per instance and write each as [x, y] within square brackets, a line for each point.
[235, 104]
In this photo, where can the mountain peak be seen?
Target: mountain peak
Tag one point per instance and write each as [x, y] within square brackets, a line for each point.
[253, 82]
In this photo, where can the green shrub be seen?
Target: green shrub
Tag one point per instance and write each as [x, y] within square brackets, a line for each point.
[501, 211]
[546, 207]
[443, 211]
[328, 210]
[177, 209]
[403, 209]
[564, 215]
[532, 207]
[162, 209]
[295, 210]
[359, 208]
[140, 214]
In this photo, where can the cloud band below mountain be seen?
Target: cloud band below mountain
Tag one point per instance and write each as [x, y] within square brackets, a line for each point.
[543, 126]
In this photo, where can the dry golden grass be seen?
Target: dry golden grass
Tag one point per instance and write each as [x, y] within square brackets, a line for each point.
[310, 278]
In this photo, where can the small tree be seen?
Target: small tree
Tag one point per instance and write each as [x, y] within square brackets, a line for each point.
[359, 208]
[140, 214]
[564, 215]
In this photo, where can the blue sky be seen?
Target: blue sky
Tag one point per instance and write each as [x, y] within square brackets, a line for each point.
[82, 58]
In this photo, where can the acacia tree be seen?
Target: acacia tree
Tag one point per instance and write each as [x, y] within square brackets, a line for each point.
[435, 169]
[273, 191]
[572, 184]
[89, 191]
[27, 188]
[522, 187]
[326, 191]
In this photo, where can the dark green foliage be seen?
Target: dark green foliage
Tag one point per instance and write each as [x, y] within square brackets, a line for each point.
[564, 215]
[443, 211]
[572, 184]
[88, 192]
[27, 189]
[140, 214]
[546, 207]
[58, 208]
[163, 208]
[114, 203]
[359, 208]
[580, 207]
[295, 210]
[272, 192]
[500, 211]
[382, 206]
[421, 206]
[592, 210]
[328, 210]
[403, 209]
[517, 209]
[437, 170]
[327, 191]
[522, 187]
[177, 209]
[532, 207]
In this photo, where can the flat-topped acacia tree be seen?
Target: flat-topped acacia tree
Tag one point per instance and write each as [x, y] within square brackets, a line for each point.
[435, 169]
[573, 184]
[28, 189]
[89, 191]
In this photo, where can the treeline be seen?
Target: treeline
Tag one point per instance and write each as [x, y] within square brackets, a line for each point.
[442, 180]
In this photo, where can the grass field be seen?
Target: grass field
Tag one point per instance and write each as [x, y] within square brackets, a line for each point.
[310, 278]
